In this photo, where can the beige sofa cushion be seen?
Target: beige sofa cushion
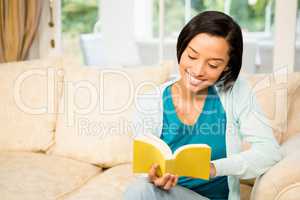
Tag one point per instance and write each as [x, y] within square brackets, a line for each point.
[278, 179]
[114, 181]
[108, 185]
[96, 112]
[31, 176]
[294, 107]
[290, 193]
[28, 103]
[291, 146]
[272, 91]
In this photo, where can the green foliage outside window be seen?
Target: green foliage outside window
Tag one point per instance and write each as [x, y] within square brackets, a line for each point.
[173, 18]
[250, 17]
[79, 16]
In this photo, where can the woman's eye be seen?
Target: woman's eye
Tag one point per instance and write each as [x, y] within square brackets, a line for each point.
[193, 58]
[213, 66]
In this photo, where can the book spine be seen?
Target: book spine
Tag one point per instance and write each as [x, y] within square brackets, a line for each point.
[170, 166]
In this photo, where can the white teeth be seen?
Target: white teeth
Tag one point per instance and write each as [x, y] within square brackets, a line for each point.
[193, 80]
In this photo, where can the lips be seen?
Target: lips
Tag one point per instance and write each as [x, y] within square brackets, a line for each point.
[193, 80]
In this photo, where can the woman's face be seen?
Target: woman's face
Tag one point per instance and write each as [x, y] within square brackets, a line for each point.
[203, 61]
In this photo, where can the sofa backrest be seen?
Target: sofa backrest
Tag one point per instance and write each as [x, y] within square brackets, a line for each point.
[293, 124]
[278, 96]
[28, 104]
[94, 123]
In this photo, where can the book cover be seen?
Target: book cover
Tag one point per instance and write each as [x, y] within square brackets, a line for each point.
[192, 160]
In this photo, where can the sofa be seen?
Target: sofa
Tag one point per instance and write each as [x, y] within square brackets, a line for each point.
[66, 129]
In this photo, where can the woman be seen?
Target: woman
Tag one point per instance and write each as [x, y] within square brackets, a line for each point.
[208, 104]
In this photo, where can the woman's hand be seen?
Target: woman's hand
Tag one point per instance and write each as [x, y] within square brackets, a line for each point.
[166, 182]
[212, 172]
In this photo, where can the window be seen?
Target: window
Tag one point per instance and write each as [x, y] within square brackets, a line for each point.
[174, 17]
[252, 15]
[78, 16]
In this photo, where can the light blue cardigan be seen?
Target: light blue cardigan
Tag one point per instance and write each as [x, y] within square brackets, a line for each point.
[245, 122]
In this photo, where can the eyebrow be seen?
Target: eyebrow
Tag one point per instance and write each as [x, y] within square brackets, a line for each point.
[220, 59]
[193, 50]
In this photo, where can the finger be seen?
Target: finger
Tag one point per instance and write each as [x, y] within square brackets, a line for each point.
[175, 181]
[152, 172]
[169, 184]
[162, 180]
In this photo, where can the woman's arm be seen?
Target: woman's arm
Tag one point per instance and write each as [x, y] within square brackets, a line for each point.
[254, 129]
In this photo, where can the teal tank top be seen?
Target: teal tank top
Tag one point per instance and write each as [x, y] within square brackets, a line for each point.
[210, 128]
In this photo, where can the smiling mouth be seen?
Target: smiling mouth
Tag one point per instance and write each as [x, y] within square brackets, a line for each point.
[193, 80]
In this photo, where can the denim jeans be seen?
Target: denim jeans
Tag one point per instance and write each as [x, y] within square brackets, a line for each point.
[142, 189]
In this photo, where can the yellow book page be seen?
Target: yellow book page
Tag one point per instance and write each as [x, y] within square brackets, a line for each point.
[192, 161]
[145, 155]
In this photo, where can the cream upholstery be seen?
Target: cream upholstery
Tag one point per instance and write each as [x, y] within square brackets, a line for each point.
[291, 145]
[29, 176]
[71, 167]
[294, 107]
[28, 105]
[272, 99]
[112, 182]
[96, 112]
[280, 177]
[279, 97]
[291, 192]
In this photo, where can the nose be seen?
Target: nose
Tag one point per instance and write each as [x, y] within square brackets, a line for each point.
[198, 69]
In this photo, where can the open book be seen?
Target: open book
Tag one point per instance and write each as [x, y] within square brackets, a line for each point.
[192, 160]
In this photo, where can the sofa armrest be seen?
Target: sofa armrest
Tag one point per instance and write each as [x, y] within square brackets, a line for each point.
[282, 179]
[291, 145]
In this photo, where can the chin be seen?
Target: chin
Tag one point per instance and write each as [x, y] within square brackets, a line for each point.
[195, 89]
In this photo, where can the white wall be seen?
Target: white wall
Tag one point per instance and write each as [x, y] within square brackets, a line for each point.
[117, 30]
[143, 18]
[285, 32]
[41, 47]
